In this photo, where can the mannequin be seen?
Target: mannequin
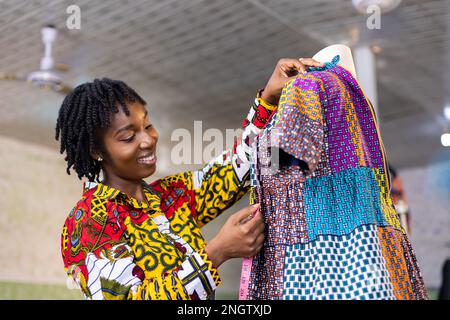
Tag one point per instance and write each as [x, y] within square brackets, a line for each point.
[346, 58]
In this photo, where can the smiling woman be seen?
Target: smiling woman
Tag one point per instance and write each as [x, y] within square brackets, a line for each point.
[126, 239]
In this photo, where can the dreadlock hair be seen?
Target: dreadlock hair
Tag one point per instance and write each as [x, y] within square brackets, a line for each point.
[86, 109]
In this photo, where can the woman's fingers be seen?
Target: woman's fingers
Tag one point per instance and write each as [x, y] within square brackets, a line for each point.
[256, 222]
[260, 239]
[283, 71]
[310, 62]
[291, 67]
[259, 229]
[246, 214]
[258, 244]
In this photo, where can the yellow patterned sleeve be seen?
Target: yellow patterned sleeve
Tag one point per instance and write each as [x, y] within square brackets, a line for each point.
[216, 188]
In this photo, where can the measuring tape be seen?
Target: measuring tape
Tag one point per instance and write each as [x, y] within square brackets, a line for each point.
[245, 278]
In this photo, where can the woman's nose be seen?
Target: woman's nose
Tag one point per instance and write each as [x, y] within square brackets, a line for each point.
[148, 141]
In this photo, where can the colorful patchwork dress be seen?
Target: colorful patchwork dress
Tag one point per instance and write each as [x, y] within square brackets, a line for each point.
[320, 174]
[116, 247]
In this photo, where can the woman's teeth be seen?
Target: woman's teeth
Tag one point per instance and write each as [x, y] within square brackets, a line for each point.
[147, 160]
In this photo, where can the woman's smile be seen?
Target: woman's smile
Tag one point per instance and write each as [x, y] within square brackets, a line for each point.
[149, 159]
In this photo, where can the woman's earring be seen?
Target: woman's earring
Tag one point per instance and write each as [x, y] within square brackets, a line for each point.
[100, 159]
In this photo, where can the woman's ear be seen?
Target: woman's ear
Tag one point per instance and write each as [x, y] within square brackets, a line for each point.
[95, 155]
[97, 149]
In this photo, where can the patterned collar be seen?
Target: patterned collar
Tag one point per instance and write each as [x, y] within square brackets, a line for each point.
[153, 197]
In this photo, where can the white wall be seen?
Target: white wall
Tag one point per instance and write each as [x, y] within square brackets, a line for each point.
[36, 196]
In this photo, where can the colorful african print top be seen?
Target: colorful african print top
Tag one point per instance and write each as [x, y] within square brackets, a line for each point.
[320, 175]
[116, 247]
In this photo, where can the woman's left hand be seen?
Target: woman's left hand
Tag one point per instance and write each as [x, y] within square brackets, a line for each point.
[285, 70]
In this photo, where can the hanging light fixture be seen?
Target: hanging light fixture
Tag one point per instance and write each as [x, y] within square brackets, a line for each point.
[384, 5]
[445, 139]
[447, 112]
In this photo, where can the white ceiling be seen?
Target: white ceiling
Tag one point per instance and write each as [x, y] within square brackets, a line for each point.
[205, 59]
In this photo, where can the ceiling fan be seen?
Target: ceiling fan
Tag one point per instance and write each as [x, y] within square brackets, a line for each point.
[49, 76]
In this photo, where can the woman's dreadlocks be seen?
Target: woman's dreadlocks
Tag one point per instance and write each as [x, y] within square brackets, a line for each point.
[86, 109]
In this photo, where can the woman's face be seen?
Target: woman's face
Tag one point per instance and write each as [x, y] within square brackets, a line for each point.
[130, 145]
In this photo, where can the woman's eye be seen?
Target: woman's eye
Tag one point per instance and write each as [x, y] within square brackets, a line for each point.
[149, 126]
[129, 139]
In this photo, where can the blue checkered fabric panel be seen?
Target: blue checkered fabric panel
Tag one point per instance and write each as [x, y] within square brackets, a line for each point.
[338, 268]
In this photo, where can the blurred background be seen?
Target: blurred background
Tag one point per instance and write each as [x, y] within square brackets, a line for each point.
[204, 60]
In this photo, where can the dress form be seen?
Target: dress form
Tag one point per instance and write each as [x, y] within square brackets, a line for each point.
[346, 58]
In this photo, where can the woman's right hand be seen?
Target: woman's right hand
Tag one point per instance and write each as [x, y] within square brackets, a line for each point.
[242, 235]
[285, 70]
